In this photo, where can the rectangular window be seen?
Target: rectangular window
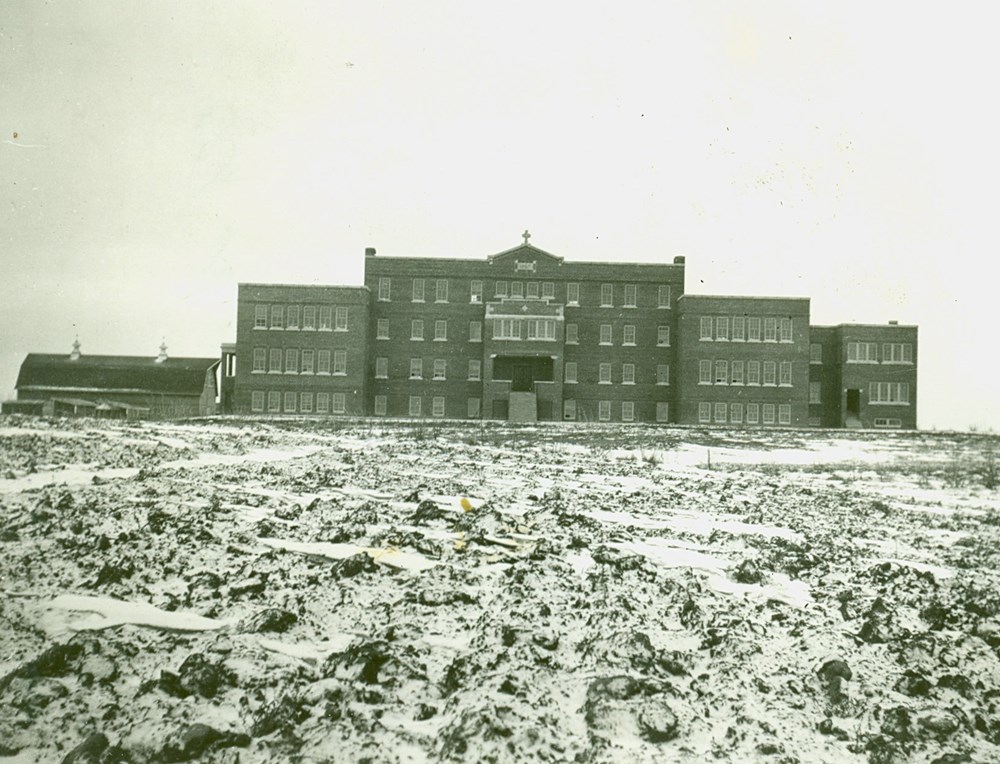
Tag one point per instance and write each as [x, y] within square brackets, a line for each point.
[662, 411]
[739, 327]
[437, 405]
[572, 336]
[475, 370]
[604, 411]
[322, 403]
[274, 401]
[339, 403]
[440, 368]
[569, 409]
[889, 392]
[628, 373]
[260, 317]
[572, 294]
[663, 373]
[259, 360]
[706, 328]
[293, 317]
[290, 402]
[441, 291]
[628, 411]
[786, 330]
[569, 372]
[786, 374]
[380, 405]
[506, 328]
[815, 353]
[770, 330]
[340, 362]
[628, 335]
[735, 413]
[704, 372]
[768, 413]
[384, 289]
[605, 334]
[500, 289]
[722, 327]
[257, 400]
[663, 297]
[306, 403]
[663, 336]
[862, 352]
[770, 370]
[814, 392]
[607, 295]
[517, 289]
[416, 368]
[415, 405]
[753, 329]
[381, 368]
[753, 413]
[720, 413]
[275, 365]
[308, 357]
[737, 373]
[605, 374]
[704, 412]
[418, 290]
[721, 373]
[475, 331]
[341, 317]
[548, 290]
[323, 362]
[541, 328]
[630, 296]
[440, 331]
[382, 329]
[476, 292]
[325, 318]
[785, 413]
[472, 411]
[753, 372]
[277, 316]
[309, 317]
[532, 290]
[417, 329]
[291, 361]
[897, 352]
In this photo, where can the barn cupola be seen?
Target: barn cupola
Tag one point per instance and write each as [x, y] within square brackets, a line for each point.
[75, 354]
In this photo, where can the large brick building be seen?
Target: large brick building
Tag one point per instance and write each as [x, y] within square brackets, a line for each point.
[525, 335]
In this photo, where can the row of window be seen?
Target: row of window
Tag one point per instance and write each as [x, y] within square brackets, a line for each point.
[522, 328]
[867, 352]
[897, 393]
[745, 329]
[627, 411]
[298, 403]
[751, 413]
[628, 377]
[420, 290]
[324, 318]
[296, 361]
[732, 373]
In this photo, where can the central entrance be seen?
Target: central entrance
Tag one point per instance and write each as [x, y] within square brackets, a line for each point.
[523, 371]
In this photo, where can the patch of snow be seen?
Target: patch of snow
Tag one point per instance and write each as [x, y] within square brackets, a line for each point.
[663, 553]
[390, 557]
[107, 612]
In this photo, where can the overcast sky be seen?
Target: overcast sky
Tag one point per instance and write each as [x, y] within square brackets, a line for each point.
[154, 154]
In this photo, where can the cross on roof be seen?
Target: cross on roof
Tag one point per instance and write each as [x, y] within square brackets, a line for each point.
[526, 235]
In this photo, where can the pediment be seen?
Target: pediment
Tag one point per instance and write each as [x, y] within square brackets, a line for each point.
[524, 257]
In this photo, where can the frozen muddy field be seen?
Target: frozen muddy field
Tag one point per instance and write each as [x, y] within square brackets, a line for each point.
[236, 591]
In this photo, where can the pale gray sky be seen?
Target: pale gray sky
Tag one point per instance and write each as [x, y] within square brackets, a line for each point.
[165, 151]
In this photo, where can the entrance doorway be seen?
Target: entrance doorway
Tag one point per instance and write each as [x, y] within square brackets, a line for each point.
[852, 412]
[522, 378]
[523, 371]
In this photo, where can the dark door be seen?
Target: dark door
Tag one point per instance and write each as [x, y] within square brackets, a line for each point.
[521, 382]
[854, 403]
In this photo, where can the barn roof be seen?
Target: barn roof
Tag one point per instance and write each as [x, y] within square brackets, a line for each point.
[114, 373]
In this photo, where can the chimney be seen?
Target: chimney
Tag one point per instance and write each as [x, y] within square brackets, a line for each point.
[894, 323]
[369, 251]
[75, 355]
[163, 352]
[678, 259]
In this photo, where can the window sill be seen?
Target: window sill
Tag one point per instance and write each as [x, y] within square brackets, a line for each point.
[276, 328]
[604, 383]
[257, 328]
[570, 382]
[887, 403]
[663, 384]
[628, 344]
[291, 328]
[604, 344]
[416, 339]
[440, 339]
[628, 383]
[420, 301]
[258, 371]
[662, 345]
[325, 329]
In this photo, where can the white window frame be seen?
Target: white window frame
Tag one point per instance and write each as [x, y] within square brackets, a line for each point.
[705, 333]
[309, 318]
[500, 289]
[276, 361]
[338, 403]
[305, 403]
[506, 328]
[340, 319]
[476, 291]
[569, 409]
[440, 369]
[628, 411]
[604, 374]
[662, 411]
[340, 363]
[572, 334]
[722, 328]
[417, 291]
[290, 402]
[663, 374]
[704, 372]
[416, 368]
[721, 376]
[381, 405]
[815, 353]
[736, 373]
[291, 360]
[381, 367]
[663, 296]
[770, 373]
[753, 372]
[259, 361]
[736, 413]
[475, 370]
[325, 318]
[663, 336]
[257, 401]
[475, 331]
[292, 317]
[573, 293]
[548, 290]
[628, 335]
[308, 361]
[719, 414]
[704, 412]
[274, 402]
[606, 334]
[437, 405]
[415, 406]
[473, 408]
[604, 411]
[784, 413]
[277, 317]
[607, 295]
[815, 392]
[441, 290]
[785, 374]
[569, 372]
[384, 289]
[517, 290]
[628, 373]
[785, 330]
[416, 330]
[768, 413]
[770, 329]
[753, 413]
[631, 296]
[532, 290]
[382, 329]
[260, 317]
[441, 330]
[322, 403]
[739, 329]
[323, 362]
[753, 329]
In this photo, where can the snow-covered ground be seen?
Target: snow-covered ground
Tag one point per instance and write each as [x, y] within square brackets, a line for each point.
[301, 591]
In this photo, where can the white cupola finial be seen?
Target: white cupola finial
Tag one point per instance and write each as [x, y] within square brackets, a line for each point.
[75, 355]
[163, 352]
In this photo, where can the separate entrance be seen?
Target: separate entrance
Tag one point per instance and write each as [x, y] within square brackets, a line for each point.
[852, 412]
[523, 371]
[522, 379]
